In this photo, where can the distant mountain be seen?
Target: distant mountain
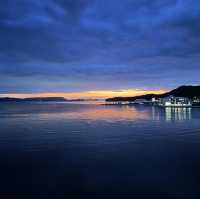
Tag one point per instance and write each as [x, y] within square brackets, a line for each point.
[182, 91]
[43, 99]
[10, 99]
[34, 99]
[185, 91]
[121, 99]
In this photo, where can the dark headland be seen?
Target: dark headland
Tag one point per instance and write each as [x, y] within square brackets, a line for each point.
[42, 99]
[34, 99]
[182, 91]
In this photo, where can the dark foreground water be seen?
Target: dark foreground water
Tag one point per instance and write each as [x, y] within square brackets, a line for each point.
[61, 151]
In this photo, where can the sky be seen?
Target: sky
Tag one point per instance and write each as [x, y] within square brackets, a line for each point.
[98, 47]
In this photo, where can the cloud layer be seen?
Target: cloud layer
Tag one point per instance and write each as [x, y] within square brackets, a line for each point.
[68, 45]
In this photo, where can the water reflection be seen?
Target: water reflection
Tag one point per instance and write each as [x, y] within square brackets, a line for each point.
[156, 113]
[97, 112]
[177, 114]
[56, 157]
[173, 114]
[128, 113]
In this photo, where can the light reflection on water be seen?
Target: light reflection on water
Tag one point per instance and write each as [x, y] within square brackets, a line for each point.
[124, 113]
[177, 113]
[96, 112]
[172, 114]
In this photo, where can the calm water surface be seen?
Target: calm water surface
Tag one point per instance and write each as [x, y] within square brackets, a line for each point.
[61, 150]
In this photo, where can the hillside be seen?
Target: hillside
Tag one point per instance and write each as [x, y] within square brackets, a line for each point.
[34, 99]
[43, 99]
[182, 91]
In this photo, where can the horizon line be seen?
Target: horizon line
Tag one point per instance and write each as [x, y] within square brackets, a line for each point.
[98, 94]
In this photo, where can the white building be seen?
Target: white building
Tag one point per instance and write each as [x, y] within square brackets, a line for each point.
[172, 101]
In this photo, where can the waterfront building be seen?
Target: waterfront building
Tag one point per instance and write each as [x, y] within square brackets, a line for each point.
[172, 101]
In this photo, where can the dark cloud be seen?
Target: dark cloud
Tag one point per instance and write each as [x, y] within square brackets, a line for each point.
[80, 42]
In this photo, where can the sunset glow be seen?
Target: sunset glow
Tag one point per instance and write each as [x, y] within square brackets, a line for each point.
[87, 94]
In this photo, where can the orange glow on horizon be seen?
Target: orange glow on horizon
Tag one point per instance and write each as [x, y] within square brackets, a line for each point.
[87, 94]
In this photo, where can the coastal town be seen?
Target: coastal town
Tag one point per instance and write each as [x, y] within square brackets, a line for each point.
[183, 96]
[170, 101]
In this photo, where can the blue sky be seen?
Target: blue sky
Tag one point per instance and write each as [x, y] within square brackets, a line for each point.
[84, 45]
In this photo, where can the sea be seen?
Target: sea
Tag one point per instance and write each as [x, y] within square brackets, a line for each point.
[82, 150]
